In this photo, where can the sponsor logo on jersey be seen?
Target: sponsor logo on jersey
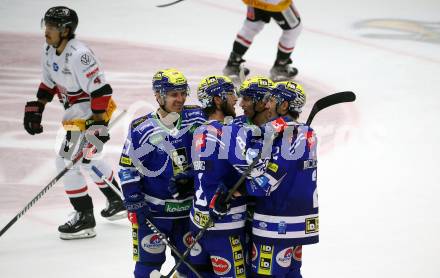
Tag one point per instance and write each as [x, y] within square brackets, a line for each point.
[66, 71]
[282, 227]
[152, 244]
[178, 207]
[254, 252]
[262, 225]
[312, 225]
[284, 257]
[55, 66]
[310, 164]
[265, 262]
[86, 59]
[92, 73]
[125, 161]
[188, 239]
[125, 175]
[199, 165]
[273, 167]
[220, 265]
[202, 219]
[97, 80]
[236, 216]
[156, 139]
[297, 253]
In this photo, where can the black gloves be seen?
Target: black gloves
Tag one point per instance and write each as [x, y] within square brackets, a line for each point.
[33, 112]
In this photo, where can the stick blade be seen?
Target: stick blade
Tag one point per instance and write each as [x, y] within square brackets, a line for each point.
[341, 97]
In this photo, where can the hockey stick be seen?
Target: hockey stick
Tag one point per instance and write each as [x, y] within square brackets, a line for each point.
[169, 4]
[330, 100]
[54, 180]
[319, 105]
[149, 223]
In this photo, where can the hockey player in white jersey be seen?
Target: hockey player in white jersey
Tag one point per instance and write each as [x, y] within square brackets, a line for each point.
[73, 74]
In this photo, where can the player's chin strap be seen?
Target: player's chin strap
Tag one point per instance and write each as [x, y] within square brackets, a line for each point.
[149, 224]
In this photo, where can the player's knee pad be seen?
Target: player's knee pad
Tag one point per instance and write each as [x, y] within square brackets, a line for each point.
[74, 182]
[289, 37]
[142, 270]
[248, 32]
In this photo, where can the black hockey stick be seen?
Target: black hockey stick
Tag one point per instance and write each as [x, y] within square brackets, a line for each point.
[78, 157]
[330, 100]
[169, 4]
[319, 105]
[149, 223]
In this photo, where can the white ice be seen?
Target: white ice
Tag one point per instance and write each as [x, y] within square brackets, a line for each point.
[378, 169]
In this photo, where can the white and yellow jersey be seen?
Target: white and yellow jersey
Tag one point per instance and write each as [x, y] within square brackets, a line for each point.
[269, 5]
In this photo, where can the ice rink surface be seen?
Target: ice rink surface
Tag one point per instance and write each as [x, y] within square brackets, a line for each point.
[378, 161]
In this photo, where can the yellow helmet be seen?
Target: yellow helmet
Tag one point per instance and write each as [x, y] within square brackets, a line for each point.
[256, 87]
[214, 85]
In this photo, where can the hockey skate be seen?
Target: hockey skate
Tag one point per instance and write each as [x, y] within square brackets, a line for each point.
[114, 210]
[81, 225]
[235, 70]
[281, 71]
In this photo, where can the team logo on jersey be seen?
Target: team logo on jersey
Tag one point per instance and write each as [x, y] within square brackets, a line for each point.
[284, 257]
[153, 244]
[188, 239]
[297, 253]
[55, 67]
[220, 265]
[180, 160]
[86, 59]
[312, 225]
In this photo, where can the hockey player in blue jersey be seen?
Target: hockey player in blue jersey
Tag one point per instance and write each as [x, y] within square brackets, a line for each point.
[218, 158]
[157, 149]
[252, 92]
[286, 211]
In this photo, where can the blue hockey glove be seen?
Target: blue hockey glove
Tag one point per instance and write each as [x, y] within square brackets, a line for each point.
[138, 208]
[218, 207]
[181, 185]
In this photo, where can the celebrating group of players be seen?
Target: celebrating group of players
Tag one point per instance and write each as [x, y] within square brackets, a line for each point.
[182, 161]
[182, 167]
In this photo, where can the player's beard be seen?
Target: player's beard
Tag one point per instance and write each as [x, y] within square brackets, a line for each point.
[227, 109]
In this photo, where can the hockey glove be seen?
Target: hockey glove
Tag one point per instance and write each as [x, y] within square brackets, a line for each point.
[137, 207]
[181, 185]
[218, 207]
[33, 112]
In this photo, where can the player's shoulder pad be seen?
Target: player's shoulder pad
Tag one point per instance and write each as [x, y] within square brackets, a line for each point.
[136, 122]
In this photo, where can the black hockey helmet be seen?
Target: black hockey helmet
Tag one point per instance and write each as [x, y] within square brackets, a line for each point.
[62, 17]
